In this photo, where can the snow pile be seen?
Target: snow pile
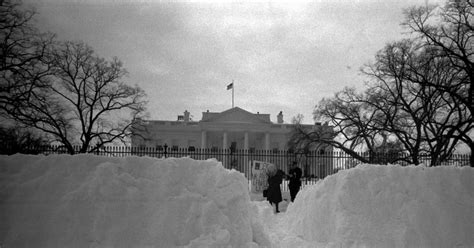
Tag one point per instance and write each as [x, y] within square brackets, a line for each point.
[91, 201]
[384, 206]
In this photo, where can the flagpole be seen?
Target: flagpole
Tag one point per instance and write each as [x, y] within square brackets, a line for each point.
[233, 86]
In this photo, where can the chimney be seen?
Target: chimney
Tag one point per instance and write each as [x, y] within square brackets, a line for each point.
[280, 117]
[186, 116]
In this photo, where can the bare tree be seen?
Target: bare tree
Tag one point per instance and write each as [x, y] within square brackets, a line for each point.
[347, 126]
[397, 108]
[450, 31]
[23, 53]
[298, 141]
[85, 102]
[420, 95]
[423, 118]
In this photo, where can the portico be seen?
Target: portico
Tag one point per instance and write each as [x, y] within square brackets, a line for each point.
[236, 139]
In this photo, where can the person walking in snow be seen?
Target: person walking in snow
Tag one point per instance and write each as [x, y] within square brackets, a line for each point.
[275, 178]
[294, 176]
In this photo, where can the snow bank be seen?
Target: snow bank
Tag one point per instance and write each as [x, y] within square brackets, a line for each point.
[385, 206]
[90, 201]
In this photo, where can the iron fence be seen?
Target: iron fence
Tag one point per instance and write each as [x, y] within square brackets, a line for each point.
[314, 164]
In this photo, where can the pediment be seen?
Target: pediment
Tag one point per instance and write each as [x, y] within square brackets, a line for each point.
[238, 115]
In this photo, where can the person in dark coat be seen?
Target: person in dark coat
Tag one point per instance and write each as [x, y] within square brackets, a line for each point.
[294, 176]
[275, 178]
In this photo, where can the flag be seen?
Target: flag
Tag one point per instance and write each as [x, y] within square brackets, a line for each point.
[230, 86]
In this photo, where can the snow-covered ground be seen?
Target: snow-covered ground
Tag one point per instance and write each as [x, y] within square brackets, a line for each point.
[92, 201]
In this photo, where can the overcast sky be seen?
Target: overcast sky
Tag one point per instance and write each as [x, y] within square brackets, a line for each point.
[282, 56]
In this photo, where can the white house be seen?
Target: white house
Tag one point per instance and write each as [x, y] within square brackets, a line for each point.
[235, 127]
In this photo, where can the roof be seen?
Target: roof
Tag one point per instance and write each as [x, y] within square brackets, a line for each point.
[236, 115]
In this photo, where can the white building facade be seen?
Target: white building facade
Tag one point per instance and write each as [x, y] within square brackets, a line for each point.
[233, 128]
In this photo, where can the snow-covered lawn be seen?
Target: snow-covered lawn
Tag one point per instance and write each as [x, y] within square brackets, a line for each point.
[93, 201]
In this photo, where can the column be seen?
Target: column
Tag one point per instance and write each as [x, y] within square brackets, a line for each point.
[267, 141]
[203, 139]
[224, 141]
[246, 140]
